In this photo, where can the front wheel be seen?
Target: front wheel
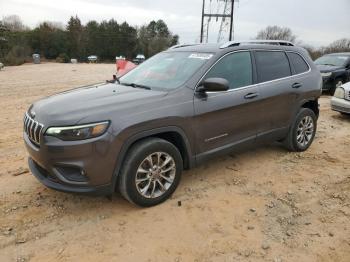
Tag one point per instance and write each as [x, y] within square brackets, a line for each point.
[302, 132]
[151, 172]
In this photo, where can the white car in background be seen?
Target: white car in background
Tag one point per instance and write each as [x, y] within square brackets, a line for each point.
[92, 58]
[1, 66]
[341, 100]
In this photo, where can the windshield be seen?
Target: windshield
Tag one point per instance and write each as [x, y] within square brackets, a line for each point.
[166, 70]
[332, 60]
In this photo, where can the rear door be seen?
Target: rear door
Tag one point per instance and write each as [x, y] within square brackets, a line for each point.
[225, 119]
[278, 92]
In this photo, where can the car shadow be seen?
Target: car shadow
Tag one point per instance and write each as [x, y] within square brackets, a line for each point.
[78, 204]
[341, 117]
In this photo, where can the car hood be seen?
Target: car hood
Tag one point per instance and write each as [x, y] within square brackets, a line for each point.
[72, 107]
[346, 86]
[328, 68]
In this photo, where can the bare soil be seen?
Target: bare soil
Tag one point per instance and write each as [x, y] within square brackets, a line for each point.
[261, 205]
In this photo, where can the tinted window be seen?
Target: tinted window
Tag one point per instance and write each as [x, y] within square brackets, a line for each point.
[236, 68]
[298, 63]
[271, 65]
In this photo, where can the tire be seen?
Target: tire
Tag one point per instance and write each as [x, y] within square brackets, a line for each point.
[137, 166]
[294, 141]
[337, 83]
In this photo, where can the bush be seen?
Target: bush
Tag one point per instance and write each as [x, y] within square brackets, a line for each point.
[17, 55]
[62, 58]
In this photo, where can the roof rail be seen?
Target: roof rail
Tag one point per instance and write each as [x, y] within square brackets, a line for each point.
[257, 42]
[180, 45]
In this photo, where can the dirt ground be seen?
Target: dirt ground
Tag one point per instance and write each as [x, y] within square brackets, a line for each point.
[261, 205]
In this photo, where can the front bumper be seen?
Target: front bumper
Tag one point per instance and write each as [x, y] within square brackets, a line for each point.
[340, 105]
[46, 179]
[85, 166]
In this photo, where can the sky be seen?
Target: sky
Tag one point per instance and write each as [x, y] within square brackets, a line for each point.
[315, 22]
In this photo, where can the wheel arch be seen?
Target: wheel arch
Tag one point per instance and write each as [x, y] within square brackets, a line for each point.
[172, 134]
[311, 104]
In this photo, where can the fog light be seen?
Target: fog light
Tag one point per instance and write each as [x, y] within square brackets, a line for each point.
[73, 173]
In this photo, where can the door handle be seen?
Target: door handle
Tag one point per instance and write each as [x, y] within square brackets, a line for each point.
[251, 95]
[297, 85]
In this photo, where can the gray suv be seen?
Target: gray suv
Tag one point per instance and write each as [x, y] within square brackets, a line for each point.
[173, 112]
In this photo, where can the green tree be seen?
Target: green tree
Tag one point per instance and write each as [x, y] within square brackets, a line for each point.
[106, 39]
[48, 40]
[128, 40]
[155, 37]
[91, 38]
[75, 36]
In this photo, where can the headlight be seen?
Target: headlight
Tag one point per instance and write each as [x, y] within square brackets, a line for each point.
[339, 93]
[326, 74]
[71, 133]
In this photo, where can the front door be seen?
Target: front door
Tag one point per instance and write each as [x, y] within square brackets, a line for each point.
[227, 119]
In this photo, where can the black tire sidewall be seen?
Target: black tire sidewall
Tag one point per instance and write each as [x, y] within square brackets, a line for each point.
[138, 153]
[303, 113]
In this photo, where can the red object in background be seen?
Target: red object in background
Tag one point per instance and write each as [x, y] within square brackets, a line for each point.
[124, 66]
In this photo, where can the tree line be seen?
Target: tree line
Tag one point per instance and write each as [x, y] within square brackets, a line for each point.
[106, 39]
[285, 33]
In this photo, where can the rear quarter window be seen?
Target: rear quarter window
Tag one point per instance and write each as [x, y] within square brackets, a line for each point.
[298, 63]
[271, 65]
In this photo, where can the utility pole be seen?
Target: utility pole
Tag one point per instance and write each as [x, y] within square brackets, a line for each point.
[225, 10]
[202, 25]
[231, 20]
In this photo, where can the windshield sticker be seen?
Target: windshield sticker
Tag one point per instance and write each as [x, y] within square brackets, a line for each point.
[203, 56]
[343, 57]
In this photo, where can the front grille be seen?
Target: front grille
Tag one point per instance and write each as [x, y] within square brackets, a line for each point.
[347, 95]
[33, 129]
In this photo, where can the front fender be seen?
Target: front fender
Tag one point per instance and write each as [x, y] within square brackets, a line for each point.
[130, 140]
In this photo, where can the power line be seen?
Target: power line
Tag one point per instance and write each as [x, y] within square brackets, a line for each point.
[225, 10]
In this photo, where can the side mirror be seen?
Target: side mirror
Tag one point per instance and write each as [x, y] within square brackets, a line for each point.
[214, 85]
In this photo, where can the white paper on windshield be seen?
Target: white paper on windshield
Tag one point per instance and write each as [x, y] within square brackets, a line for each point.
[203, 56]
[343, 57]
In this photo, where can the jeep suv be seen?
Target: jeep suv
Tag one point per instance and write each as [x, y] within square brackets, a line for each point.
[173, 112]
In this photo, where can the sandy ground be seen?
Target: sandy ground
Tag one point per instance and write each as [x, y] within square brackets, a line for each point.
[263, 205]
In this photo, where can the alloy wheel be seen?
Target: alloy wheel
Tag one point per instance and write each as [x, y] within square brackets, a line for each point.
[305, 131]
[155, 175]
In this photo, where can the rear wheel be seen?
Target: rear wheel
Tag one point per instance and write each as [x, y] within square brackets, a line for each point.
[302, 132]
[151, 172]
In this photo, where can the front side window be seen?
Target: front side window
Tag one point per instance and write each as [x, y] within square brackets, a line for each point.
[166, 70]
[271, 65]
[236, 68]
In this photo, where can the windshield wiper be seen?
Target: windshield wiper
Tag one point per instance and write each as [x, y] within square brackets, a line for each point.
[115, 79]
[134, 85]
[329, 64]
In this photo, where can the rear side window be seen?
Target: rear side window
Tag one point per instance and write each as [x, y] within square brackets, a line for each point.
[299, 64]
[236, 68]
[271, 65]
